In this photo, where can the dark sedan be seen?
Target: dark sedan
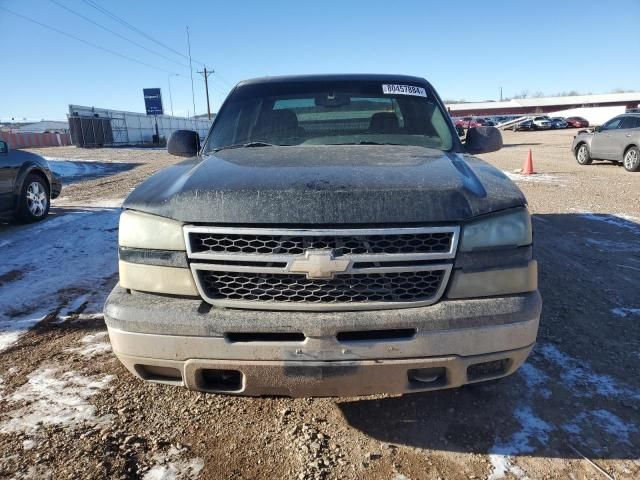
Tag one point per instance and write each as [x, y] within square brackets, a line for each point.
[576, 122]
[525, 125]
[558, 122]
[27, 185]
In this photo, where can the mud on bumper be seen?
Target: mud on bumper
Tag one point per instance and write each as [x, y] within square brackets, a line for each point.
[186, 342]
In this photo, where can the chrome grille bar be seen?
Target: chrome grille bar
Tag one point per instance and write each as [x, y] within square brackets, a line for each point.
[261, 271]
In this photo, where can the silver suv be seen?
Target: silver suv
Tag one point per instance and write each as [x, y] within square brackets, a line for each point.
[617, 140]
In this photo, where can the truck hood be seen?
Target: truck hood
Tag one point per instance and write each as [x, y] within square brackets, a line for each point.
[326, 185]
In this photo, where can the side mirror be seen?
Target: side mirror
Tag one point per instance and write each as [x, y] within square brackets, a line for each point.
[184, 143]
[483, 140]
[4, 148]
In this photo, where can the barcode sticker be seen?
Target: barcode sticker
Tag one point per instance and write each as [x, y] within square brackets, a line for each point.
[404, 90]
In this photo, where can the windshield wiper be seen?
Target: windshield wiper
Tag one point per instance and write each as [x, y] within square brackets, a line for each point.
[365, 142]
[248, 145]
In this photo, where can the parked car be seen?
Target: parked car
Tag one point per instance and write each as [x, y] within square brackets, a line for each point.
[27, 185]
[558, 122]
[617, 140]
[577, 122]
[522, 126]
[541, 123]
[317, 245]
[468, 122]
[486, 122]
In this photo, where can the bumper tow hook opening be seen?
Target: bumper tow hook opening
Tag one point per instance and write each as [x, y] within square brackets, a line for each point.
[421, 377]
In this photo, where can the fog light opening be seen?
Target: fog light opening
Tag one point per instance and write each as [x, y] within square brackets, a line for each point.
[220, 380]
[486, 370]
[155, 373]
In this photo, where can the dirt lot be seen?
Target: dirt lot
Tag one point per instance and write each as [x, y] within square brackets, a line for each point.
[68, 409]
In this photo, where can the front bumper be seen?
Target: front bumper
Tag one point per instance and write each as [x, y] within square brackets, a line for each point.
[187, 342]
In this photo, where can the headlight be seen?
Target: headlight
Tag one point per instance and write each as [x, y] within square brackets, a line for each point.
[508, 229]
[145, 272]
[141, 230]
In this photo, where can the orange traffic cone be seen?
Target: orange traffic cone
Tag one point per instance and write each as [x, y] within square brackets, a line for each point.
[527, 168]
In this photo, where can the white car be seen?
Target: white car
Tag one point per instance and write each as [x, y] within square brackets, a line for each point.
[541, 123]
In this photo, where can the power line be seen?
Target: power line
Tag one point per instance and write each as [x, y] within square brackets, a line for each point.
[61, 32]
[116, 33]
[113, 16]
[193, 95]
[224, 83]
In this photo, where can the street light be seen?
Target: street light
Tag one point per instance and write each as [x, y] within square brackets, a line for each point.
[170, 97]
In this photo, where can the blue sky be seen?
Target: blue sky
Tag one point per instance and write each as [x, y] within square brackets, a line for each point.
[467, 49]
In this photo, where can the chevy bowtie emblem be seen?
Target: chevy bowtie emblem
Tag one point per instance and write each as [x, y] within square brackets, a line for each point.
[319, 264]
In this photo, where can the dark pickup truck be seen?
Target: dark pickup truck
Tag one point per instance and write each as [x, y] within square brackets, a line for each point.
[332, 236]
[27, 185]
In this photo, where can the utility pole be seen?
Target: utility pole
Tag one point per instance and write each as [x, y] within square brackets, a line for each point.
[500, 93]
[206, 74]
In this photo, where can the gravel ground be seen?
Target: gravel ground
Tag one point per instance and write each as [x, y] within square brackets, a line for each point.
[142, 162]
[68, 409]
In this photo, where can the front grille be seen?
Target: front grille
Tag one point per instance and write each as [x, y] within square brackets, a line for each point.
[340, 244]
[321, 269]
[293, 288]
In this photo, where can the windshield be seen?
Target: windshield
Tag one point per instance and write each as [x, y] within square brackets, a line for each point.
[330, 113]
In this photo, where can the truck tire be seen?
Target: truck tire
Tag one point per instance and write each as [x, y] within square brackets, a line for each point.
[34, 200]
[583, 155]
[631, 159]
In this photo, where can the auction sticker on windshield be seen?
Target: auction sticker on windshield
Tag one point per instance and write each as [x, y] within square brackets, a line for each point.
[404, 90]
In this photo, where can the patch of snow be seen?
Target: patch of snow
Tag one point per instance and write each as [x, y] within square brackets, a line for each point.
[535, 379]
[620, 220]
[74, 305]
[532, 428]
[54, 395]
[611, 246]
[100, 203]
[579, 376]
[628, 266]
[34, 472]
[12, 329]
[86, 240]
[501, 465]
[93, 345]
[571, 427]
[71, 160]
[605, 420]
[537, 177]
[71, 171]
[28, 444]
[614, 425]
[400, 476]
[625, 311]
[171, 466]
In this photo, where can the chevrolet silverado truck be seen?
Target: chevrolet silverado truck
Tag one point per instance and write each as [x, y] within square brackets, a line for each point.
[331, 237]
[27, 185]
